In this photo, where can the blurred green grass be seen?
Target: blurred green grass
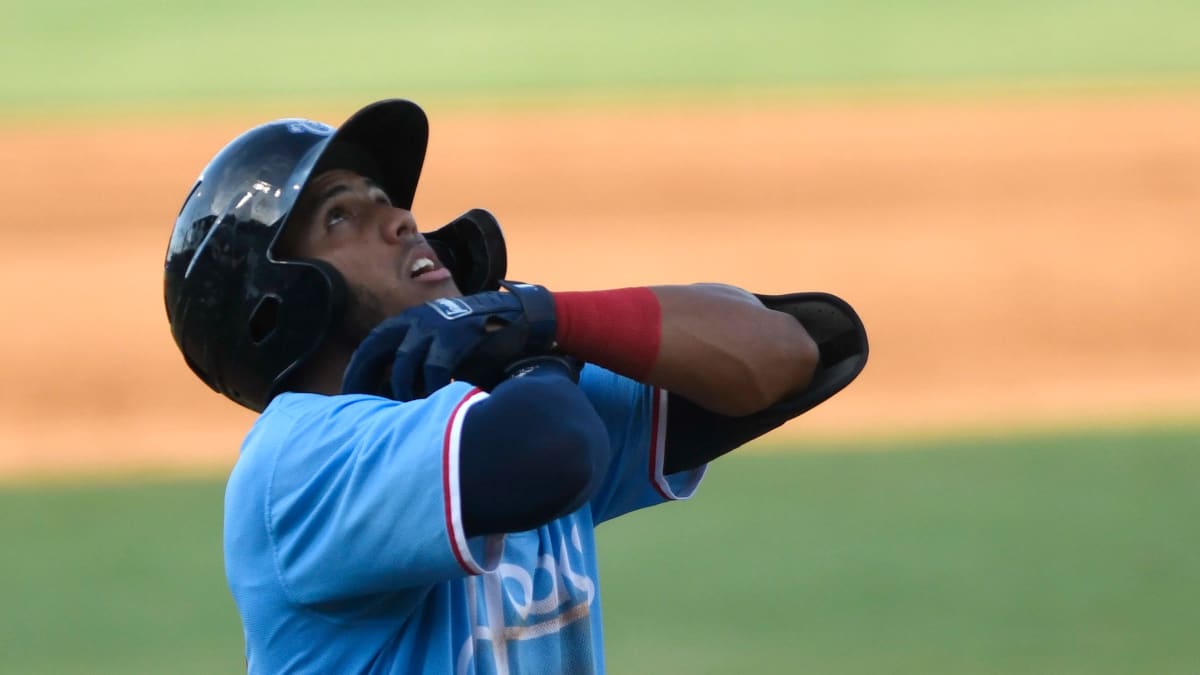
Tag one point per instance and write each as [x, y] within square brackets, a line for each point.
[1049, 553]
[114, 578]
[131, 53]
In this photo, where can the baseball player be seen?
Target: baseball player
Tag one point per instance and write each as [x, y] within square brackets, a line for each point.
[437, 445]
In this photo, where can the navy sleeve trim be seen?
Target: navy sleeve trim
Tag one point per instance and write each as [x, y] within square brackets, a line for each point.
[697, 436]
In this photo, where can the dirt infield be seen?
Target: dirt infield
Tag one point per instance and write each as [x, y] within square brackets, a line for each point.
[1017, 261]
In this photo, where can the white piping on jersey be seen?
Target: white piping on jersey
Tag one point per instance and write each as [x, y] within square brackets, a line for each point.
[659, 449]
[452, 449]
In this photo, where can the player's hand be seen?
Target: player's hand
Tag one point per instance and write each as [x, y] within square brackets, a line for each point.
[474, 338]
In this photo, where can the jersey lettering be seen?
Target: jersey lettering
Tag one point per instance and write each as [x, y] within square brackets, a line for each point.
[518, 604]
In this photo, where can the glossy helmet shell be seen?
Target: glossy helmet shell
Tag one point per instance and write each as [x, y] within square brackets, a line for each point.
[244, 319]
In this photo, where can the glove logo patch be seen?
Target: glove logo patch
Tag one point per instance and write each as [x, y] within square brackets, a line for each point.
[450, 308]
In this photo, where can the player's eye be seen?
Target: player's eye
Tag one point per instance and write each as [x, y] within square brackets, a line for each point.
[335, 215]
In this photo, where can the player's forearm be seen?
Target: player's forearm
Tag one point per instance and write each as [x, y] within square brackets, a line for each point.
[715, 345]
[723, 350]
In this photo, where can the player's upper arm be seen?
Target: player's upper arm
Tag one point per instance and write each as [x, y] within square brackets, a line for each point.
[535, 450]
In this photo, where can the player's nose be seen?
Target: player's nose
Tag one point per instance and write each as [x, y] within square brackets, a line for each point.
[398, 225]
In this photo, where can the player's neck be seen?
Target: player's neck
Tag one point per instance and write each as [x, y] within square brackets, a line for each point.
[323, 372]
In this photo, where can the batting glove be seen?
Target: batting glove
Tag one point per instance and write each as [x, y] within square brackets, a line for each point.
[475, 338]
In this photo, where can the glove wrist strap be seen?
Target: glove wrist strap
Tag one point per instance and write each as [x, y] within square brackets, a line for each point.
[537, 304]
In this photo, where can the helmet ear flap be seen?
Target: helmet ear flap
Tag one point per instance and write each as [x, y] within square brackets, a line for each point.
[290, 323]
[264, 318]
[338, 289]
[472, 247]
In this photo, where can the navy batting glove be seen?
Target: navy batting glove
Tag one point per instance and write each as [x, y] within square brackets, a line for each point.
[473, 338]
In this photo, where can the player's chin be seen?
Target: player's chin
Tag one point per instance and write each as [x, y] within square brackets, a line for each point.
[432, 289]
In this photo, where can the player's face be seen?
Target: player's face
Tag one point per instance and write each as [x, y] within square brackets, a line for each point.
[348, 221]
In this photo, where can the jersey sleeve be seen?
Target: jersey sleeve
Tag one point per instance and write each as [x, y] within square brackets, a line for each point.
[636, 418]
[363, 496]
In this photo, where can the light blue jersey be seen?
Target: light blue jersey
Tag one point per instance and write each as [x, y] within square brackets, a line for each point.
[345, 552]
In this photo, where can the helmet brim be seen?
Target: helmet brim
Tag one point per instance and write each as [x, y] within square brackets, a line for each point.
[385, 141]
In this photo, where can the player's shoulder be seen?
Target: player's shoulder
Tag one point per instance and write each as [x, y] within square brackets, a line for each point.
[298, 405]
[295, 412]
[316, 423]
[295, 426]
[299, 438]
[290, 416]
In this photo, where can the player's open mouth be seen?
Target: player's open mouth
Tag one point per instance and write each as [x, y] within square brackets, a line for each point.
[424, 268]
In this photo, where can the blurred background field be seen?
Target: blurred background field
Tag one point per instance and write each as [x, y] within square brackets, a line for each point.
[131, 54]
[1063, 553]
[1007, 191]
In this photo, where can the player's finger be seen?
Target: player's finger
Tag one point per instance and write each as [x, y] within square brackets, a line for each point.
[407, 379]
[436, 374]
[364, 373]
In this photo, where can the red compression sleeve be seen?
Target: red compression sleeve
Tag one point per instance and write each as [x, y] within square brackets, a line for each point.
[619, 330]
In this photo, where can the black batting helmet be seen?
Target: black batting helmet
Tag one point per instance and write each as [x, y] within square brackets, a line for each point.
[244, 319]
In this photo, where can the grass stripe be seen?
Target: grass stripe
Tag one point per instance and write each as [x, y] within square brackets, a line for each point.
[64, 53]
[1050, 553]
